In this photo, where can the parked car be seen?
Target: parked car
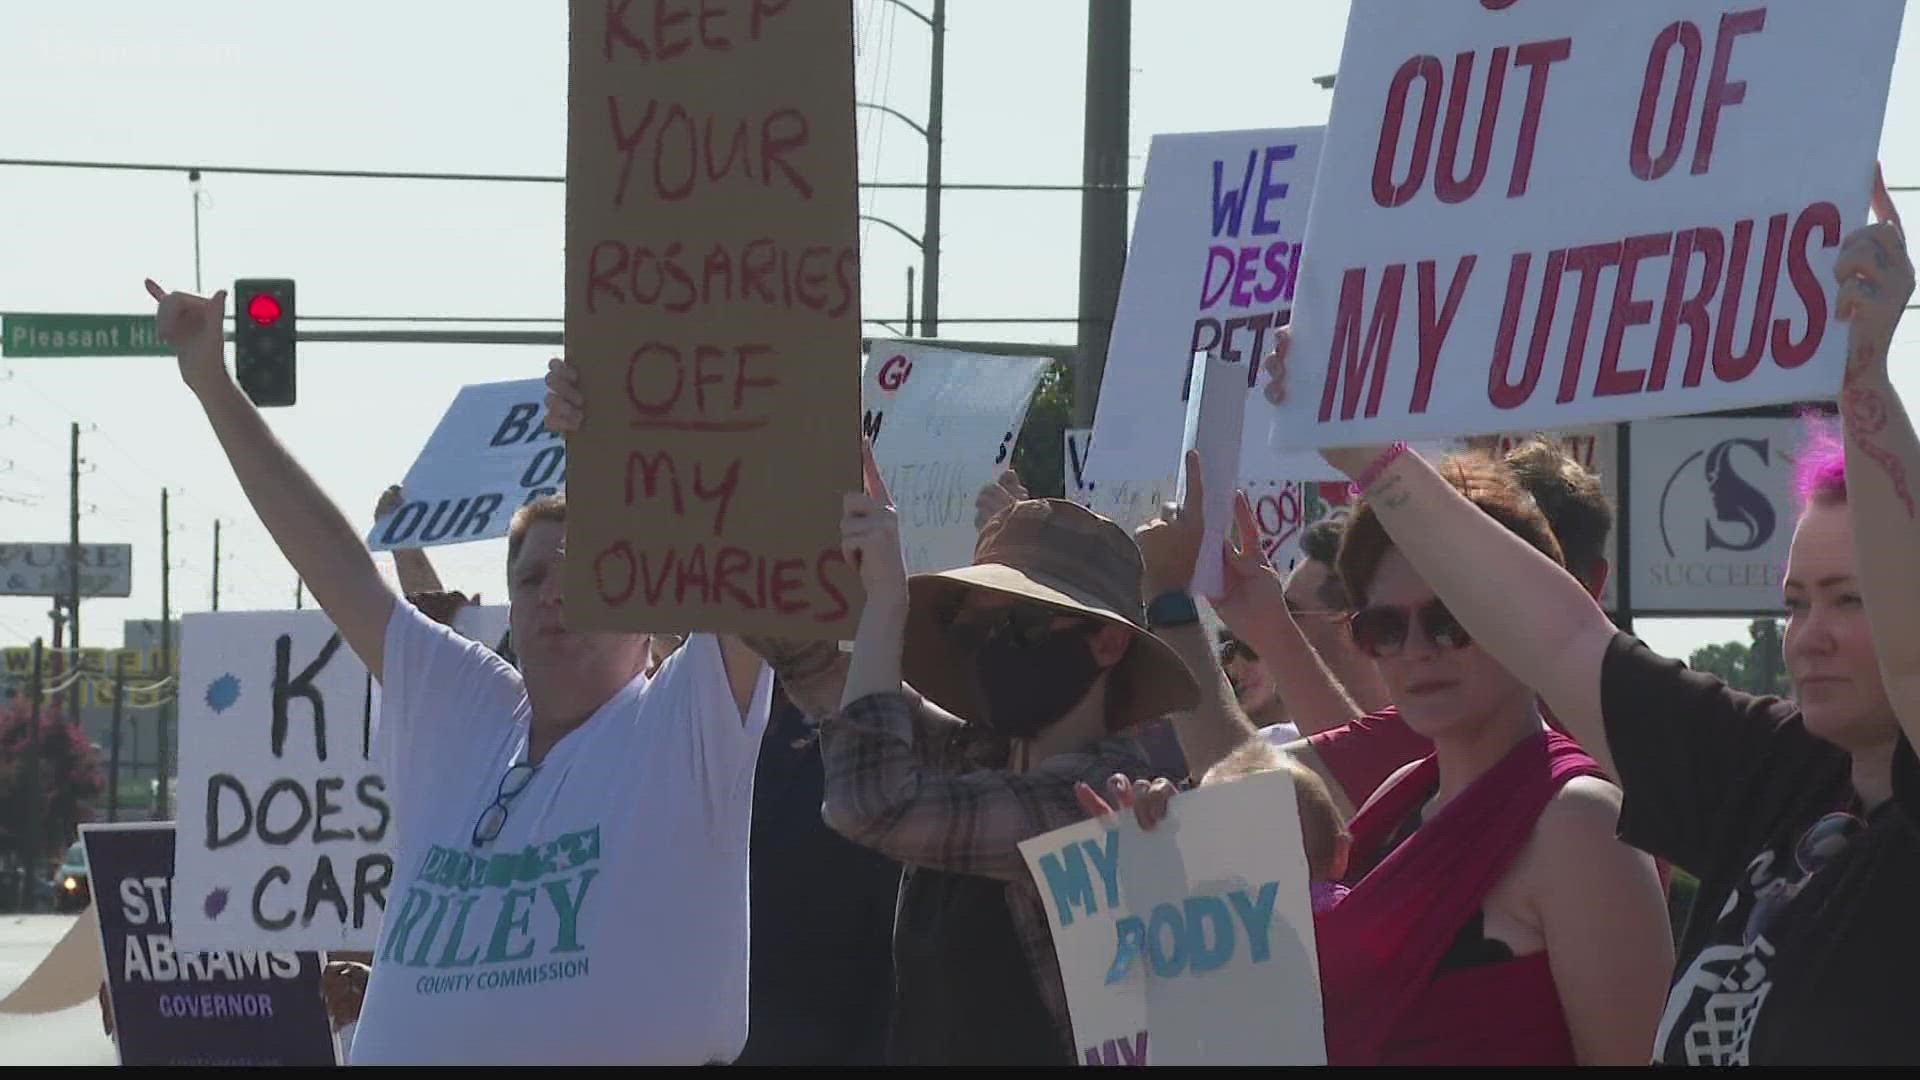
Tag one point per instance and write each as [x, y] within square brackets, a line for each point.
[72, 891]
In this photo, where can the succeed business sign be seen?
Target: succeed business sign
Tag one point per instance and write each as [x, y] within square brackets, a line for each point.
[1712, 514]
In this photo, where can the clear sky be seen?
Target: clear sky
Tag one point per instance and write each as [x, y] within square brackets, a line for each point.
[481, 87]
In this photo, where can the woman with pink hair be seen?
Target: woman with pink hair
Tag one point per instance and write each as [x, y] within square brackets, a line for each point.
[1801, 818]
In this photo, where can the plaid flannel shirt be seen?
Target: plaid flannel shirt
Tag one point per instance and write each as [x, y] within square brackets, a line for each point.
[929, 791]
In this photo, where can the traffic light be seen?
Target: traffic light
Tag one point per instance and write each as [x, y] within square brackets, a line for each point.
[263, 339]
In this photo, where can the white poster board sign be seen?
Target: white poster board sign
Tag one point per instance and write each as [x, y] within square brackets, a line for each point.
[1642, 221]
[1211, 269]
[1215, 407]
[490, 455]
[283, 815]
[943, 424]
[1712, 515]
[1192, 944]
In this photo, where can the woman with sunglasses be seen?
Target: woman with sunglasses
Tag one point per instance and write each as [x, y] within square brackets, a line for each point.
[1494, 918]
[1799, 818]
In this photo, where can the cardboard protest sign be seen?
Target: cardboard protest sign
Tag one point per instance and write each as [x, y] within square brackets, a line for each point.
[1546, 215]
[1215, 406]
[1712, 514]
[490, 455]
[713, 308]
[1211, 269]
[1164, 937]
[284, 812]
[943, 425]
[178, 1006]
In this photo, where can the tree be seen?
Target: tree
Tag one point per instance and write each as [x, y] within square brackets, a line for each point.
[1757, 668]
[1039, 454]
[68, 772]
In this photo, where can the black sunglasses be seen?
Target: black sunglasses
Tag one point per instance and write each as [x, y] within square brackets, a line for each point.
[1380, 630]
[1822, 843]
[494, 817]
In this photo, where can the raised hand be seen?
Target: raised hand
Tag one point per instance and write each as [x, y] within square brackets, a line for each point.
[1352, 460]
[1875, 276]
[196, 328]
[870, 538]
[1148, 801]
[997, 497]
[1170, 544]
[390, 500]
[566, 403]
[1254, 590]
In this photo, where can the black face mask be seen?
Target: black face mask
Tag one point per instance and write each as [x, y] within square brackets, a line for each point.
[1030, 685]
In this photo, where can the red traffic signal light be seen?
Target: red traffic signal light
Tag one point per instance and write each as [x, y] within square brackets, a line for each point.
[263, 309]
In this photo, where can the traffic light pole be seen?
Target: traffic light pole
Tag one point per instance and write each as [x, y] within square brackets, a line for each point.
[553, 338]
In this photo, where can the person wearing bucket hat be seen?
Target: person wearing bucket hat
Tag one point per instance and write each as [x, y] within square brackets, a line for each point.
[976, 701]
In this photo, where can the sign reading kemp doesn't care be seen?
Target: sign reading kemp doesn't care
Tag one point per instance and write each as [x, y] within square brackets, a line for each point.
[284, 814]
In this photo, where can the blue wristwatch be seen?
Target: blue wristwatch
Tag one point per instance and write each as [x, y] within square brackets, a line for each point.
[1172, 609]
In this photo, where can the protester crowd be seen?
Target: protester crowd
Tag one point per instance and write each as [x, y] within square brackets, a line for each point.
[762, 851]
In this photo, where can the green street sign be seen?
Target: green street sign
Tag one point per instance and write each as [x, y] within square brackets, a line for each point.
[80, 335]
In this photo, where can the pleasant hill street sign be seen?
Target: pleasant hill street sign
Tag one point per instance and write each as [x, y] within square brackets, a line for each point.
[41, 335]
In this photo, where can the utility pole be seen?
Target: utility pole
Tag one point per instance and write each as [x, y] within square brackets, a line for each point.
[113, 736]
[936, 109]
[1103, 205]
[216, 564]
[909, 323]
[30, 784]
[165, 722]
[73, 570]
[299, 594]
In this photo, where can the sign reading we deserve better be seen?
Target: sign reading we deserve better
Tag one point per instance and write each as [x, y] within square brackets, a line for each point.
[1543, 215]
[1211, 269]
[490, 455]
[1166, 937]
[713, 305]
[284, 812]
[943, 425]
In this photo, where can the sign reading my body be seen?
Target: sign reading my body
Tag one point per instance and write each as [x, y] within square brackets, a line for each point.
[1706, 302]
[1194, 936]
[667, 152]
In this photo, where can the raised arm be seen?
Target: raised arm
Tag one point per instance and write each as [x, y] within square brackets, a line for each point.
[1521, 607]
[1255, 609]
[1169, 548]
[325, 550]
[1883, 452]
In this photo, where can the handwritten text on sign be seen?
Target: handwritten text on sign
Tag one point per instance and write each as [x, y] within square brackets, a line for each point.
[1211, 269]
[490, 455]
[283, 813]
[713, 309]
[943, 426]
[1540, 215]
[1165, 936]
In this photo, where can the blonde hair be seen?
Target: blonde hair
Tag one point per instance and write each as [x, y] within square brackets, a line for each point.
[1322, 829]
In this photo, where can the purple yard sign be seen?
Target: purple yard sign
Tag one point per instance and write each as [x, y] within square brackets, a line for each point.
[196, 1008]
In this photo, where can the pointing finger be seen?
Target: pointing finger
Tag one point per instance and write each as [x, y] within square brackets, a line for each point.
[1884, 210]
[155, 291]
[1246, 532]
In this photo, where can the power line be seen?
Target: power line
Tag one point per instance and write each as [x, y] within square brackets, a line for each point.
[502, 178]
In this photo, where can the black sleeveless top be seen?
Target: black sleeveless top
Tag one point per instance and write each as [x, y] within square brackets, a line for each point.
[963, 989]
